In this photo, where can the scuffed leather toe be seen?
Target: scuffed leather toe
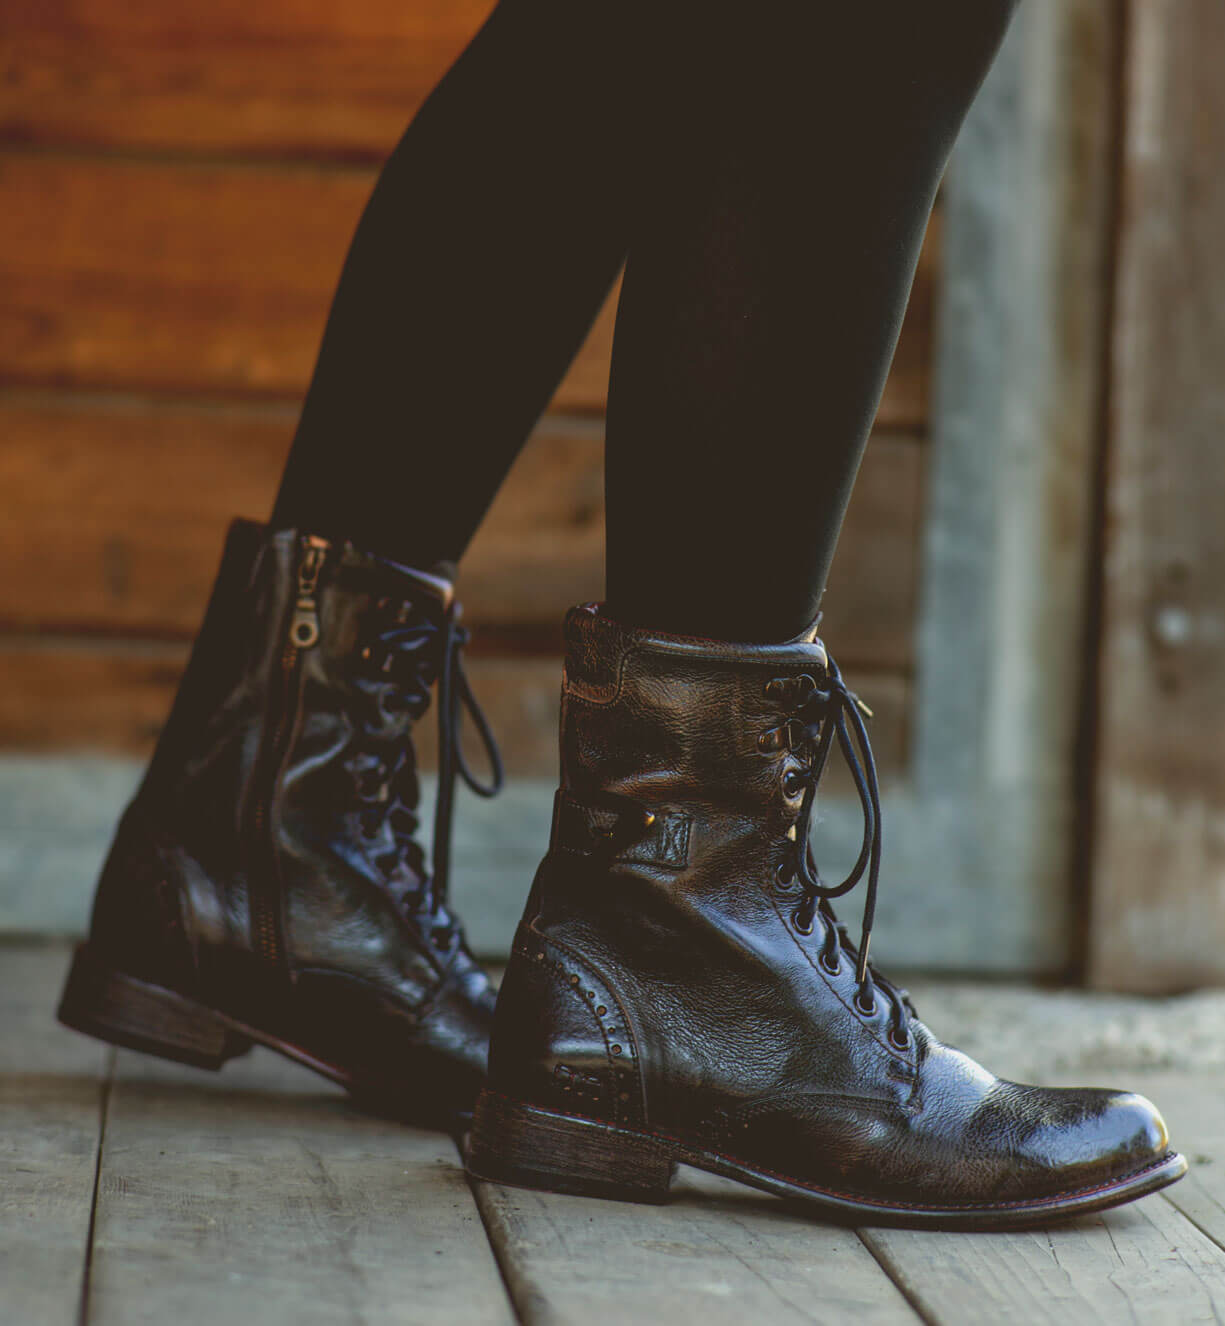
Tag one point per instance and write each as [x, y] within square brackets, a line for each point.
[1122, 1134]
[1085, 1137]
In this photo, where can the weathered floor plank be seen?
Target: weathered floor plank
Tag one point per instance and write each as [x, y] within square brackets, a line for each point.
[1195, 1111]
[260, 1187]
[716, 1253]
[1144, 1263]
[51, 1096]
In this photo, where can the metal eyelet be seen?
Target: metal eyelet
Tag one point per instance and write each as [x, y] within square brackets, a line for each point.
[784, 878]
[771, 741]
[899, 1042]
[830, 967]
[792, 783]
[869, 1011]
[800, 927]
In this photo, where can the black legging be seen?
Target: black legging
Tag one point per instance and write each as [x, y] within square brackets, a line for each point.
[767, 169]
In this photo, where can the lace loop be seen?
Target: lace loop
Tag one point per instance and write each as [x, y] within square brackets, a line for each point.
[829, 714]
[454, 697]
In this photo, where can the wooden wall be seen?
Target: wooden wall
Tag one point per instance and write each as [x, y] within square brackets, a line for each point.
[181, 181]
[1157, 915]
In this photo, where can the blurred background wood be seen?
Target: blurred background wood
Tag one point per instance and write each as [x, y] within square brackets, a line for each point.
[1158, 863]
[187, 179]
[182, 180]
[284, 78]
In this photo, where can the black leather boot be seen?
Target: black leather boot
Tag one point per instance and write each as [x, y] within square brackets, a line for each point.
[266, 884]
[680, 989]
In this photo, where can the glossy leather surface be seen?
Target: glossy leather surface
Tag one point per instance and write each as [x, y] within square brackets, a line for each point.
[660, 981]
[285, 778]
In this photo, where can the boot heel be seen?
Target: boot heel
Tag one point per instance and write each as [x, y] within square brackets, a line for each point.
[114, 1007]
[529, 1147]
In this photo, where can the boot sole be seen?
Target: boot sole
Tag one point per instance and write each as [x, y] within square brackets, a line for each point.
[108, 1004]
[525, 1146]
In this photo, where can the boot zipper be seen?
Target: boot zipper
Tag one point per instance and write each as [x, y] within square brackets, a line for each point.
[303, 634]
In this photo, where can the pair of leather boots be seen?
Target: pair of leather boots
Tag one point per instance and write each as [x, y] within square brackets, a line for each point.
[679, 990]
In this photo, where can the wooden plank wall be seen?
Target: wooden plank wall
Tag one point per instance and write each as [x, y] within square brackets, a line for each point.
[181, 181]
[1158, 877]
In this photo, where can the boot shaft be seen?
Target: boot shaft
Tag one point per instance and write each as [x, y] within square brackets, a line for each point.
[693, 733]
[660, 903]
[283, 791]
[295, 635]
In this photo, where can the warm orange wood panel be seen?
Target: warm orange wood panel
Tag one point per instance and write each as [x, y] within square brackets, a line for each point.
[287, 77]
[201, 280]
[112, 516]
[115, 697]
[215, 280]
[80, 695]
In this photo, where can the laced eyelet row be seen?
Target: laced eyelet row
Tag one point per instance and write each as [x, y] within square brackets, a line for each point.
[832, 966]
[817, 716]
[405, 653]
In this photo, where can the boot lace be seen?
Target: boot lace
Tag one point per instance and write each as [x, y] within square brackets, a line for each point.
[411, 651]
[825, 715]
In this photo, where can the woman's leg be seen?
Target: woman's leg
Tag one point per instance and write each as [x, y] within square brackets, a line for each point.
[796, 157]
[490, 241]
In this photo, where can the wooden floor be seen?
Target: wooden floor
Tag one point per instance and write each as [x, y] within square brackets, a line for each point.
[132, 1191]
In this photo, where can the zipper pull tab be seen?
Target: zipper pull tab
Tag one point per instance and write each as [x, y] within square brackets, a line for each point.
[304, 629]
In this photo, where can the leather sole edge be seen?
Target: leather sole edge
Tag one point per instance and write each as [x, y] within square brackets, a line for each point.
[531, 1147]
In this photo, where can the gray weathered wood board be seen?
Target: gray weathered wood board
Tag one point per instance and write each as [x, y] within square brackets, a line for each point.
[1145, 1263]
[257, 1187]
[717, 1253]
[258, 1192]
[52, 1087]
[1158, 882]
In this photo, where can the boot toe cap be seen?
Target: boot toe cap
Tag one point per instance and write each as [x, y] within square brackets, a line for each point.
[1093, 1137]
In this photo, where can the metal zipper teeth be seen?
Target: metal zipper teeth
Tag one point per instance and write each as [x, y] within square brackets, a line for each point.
[303, 633]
